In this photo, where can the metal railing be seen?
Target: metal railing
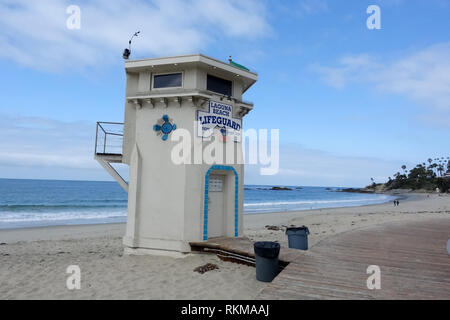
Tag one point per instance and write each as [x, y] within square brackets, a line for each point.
[109, 138]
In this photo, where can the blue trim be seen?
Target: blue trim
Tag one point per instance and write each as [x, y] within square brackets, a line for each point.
[236, 199]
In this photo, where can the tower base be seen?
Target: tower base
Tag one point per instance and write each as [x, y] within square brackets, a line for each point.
[162, 247]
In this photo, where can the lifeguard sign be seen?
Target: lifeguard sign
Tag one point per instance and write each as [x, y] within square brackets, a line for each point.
[220, 117]
[172, 204]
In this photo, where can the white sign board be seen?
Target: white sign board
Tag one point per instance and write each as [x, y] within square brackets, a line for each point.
[220, 117]
[215, 184]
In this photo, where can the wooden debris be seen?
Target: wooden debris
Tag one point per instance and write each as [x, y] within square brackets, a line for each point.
[205, 268]
[275, 228]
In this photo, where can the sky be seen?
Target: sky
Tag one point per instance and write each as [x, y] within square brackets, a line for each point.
[351, 103]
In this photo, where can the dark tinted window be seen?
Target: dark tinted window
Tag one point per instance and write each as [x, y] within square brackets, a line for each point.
[167, 80]
[218, 85]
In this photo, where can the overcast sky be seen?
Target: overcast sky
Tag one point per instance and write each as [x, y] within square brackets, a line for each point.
[351, 103]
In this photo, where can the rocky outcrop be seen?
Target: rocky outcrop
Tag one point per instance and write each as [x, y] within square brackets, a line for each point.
[281, 188]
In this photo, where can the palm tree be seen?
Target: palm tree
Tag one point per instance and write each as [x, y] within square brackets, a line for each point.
[404, 168]
[440, 169]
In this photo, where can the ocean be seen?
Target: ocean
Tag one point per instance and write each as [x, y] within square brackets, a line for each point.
[32, 203]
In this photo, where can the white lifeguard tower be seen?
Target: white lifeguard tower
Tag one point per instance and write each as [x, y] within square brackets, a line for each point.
[171, 204]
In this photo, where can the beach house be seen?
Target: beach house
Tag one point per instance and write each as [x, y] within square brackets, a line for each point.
[184, 102]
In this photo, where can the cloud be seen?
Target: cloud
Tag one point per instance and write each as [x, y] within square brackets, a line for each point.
[312, 167]
[423, 76]
[34, 33]
[35, 141]
[36, 147]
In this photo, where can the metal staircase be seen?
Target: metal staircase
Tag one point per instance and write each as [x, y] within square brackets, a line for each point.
[108, 148]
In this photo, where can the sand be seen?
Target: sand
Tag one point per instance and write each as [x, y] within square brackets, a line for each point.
[33, 261]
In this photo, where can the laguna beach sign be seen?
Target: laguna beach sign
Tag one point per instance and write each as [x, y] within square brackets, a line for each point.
[220, 117]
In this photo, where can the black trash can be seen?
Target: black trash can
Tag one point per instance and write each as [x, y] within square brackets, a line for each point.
[266, 258]
[298, 237]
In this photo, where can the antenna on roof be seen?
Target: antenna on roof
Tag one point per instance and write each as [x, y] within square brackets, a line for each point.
[127, 51]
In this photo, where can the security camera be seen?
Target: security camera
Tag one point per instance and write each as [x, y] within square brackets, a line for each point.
[126, 53]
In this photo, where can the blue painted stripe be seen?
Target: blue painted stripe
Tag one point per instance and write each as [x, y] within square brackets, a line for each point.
[236, 195]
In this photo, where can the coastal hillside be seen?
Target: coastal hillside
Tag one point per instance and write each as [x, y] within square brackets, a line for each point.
[430, 176]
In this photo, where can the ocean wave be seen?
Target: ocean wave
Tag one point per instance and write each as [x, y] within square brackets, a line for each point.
[280, 203]
[59, 207]
[60, 216]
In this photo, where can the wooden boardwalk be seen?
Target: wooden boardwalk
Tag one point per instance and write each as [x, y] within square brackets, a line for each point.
[412, 257]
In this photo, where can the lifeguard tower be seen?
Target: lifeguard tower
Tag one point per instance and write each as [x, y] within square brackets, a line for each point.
[171, 204]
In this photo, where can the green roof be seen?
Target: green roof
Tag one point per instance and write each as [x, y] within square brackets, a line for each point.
[237, 65]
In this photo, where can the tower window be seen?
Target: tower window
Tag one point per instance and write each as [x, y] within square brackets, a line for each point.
[171, 80]
[218, 85]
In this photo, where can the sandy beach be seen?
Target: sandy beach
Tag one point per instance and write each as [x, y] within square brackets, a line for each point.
[33, 261]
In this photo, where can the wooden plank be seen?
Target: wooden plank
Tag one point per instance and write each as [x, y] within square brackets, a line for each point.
[412, 257]
[243, 246]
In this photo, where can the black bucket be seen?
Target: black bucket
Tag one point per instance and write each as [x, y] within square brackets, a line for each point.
[266, 259]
